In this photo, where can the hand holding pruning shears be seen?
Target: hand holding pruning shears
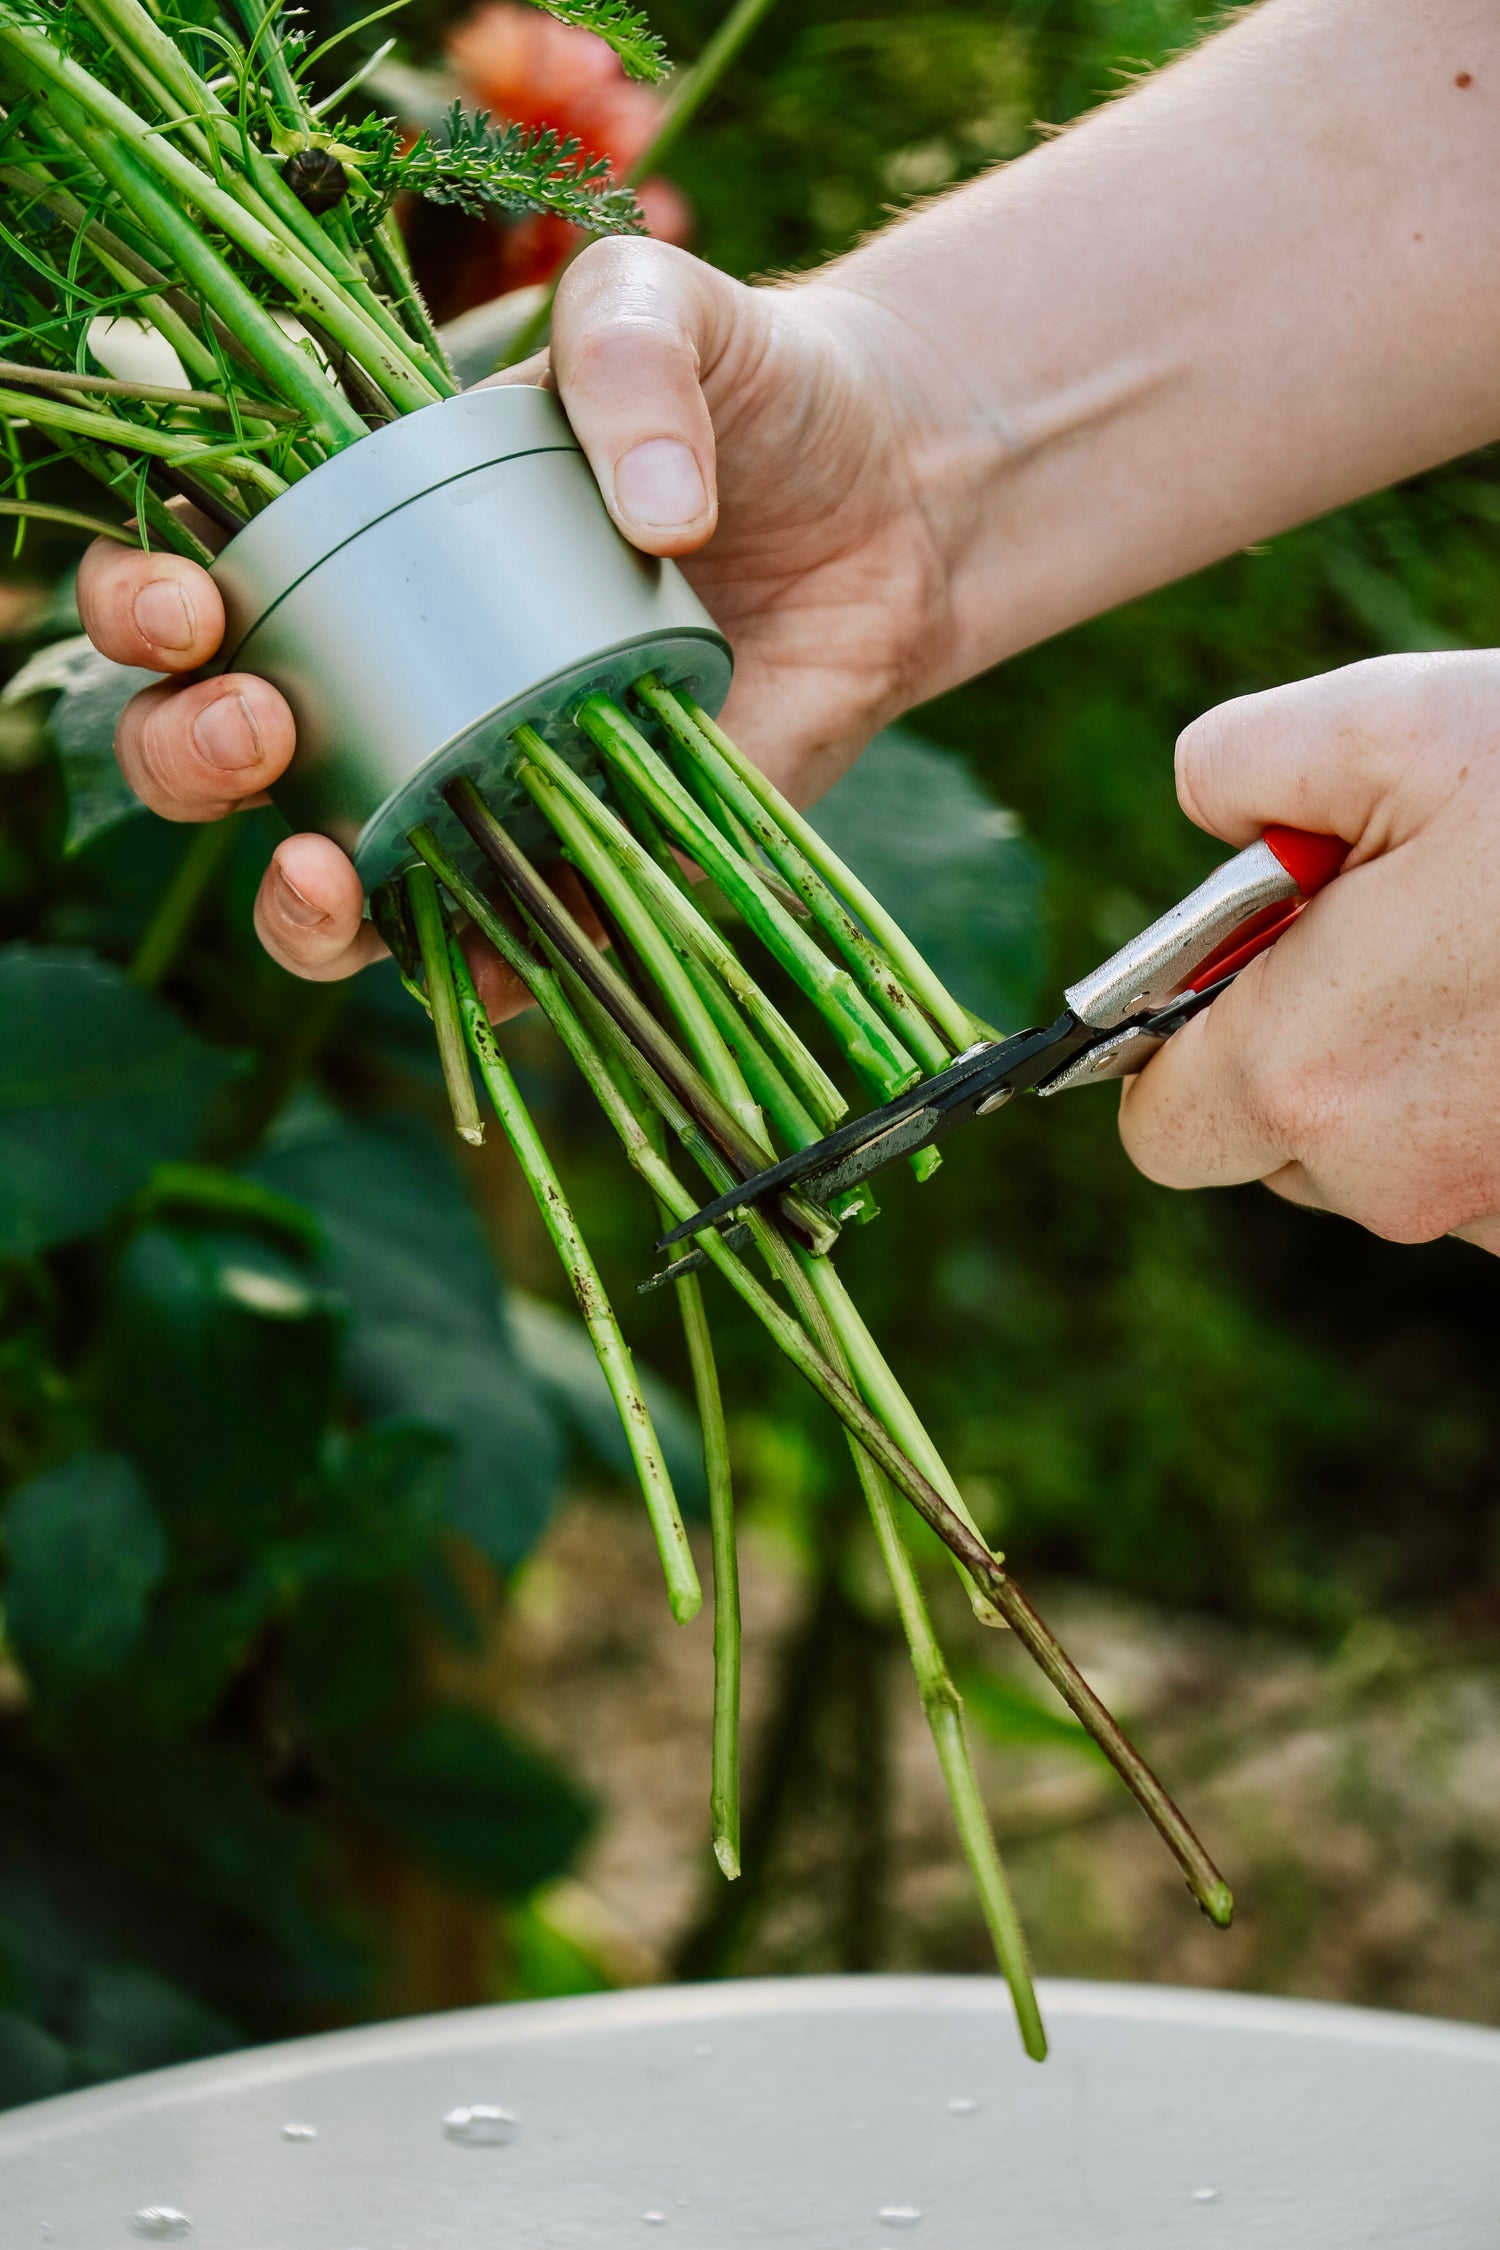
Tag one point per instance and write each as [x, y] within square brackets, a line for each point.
[1323, 1012]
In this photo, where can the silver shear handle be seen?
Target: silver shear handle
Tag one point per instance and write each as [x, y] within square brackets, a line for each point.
[1155, 967]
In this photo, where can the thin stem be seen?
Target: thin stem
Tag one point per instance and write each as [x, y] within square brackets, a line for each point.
[960, 1024]
[879, 979]
[153, 394]
[442, 999]
[875, 1052]
[663, 885]
[943, 1707]
[287, 261]
[620, 1003]
[683, 1590]
[44, 512]
[156, 61]
[644, 937]
[835, 1388]
[724, 1784]
[182, 901]
[885, 1397]
[940, 1699]
[137, 437]
[287, 369]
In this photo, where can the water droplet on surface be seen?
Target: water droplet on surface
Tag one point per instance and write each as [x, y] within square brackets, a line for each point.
[703, 2052]
[654, 2218]
[962, 2105]
[160, 2223]
[481, 2126]
[1205, 2195]
[898, 2214]
[299, 2132]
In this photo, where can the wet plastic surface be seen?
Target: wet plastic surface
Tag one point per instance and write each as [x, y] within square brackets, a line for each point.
[825, 2113]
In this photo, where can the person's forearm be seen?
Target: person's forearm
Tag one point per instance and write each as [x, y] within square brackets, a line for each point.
[1258, 286]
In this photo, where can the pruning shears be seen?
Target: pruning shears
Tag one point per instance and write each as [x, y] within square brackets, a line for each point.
[1114, 1020]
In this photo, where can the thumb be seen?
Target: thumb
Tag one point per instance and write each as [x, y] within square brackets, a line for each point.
[634, 324]
[1368, 752]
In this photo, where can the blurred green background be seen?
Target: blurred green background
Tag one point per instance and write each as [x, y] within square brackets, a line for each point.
[333, 1681]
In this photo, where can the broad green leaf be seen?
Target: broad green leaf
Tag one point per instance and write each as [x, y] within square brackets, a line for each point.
[948, 862]
[91, 693]
[488, 1812]
[99, 1083]
[84, 1553]
[554, 1346]
[427, 1338]
[220, 1361]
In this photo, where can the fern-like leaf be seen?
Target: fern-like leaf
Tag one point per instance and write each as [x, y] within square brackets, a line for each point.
[620, 26]
[474, 163]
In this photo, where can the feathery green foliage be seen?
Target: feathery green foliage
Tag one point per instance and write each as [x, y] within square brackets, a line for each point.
[620, 26]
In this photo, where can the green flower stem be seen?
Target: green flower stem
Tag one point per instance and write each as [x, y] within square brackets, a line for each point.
[615, 996]
[164, 307]
[960, 1025]
[644, 936]
[724, 1782]
[683, 1590]
[152, 394]
[941, 1701]
[1204, 1880]
[442, 1000]
[288, 370]
[596, 848]
[309, 286]
[42, 511]
[649, 863]
[182, 901]
[158, 61]
[875, 973]
[885, 1397]
[387, 254]
[945, 1718]
[131, 437]
[875, 1053]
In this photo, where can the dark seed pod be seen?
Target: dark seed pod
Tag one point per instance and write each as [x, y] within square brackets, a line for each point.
[317, 179]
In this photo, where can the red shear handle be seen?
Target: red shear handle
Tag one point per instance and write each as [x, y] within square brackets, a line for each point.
[1311, 861]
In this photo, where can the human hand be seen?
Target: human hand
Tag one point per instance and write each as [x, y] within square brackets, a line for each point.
[1355, 1067]
[822, 571]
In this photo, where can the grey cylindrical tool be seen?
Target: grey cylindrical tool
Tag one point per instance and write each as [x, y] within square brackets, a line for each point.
[421, 594]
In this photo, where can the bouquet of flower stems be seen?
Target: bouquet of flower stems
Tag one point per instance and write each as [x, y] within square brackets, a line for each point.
[174, 170]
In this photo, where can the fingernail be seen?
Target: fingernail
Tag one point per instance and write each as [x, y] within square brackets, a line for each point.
[226, 734]
[164, 615]
[293, 906]
[659, 485]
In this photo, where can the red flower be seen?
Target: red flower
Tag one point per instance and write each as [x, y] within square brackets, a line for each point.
[529, 68]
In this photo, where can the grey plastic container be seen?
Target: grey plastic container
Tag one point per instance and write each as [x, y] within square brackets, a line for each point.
[421, 594]
[819, 2113]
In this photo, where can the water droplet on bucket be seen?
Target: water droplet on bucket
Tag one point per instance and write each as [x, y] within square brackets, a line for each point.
[481, 2126]
[160, 2223]
[1205, 2195]
[898, 2214]
[962, 2105]
[299, 2132]
[654, 2218]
